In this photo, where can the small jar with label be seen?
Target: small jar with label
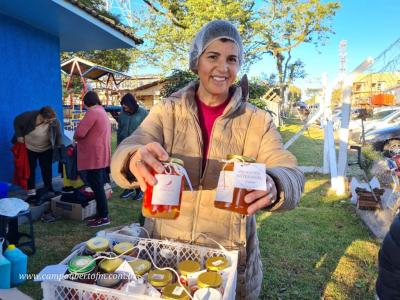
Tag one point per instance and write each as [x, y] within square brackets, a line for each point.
[124, 248]
[82, 269]
[186, 268]
[217, 263]
[140, 266]
[164, 199]
[160, 278]
[208, 280]
[229, 197]
[109, 265]
[97, 245]
[175, 291]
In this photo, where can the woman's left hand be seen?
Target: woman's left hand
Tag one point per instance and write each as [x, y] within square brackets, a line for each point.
[261, 199]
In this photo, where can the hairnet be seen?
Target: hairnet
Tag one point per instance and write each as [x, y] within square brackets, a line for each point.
[210, 32]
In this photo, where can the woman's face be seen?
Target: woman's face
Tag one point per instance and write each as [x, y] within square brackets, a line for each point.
[217, 68]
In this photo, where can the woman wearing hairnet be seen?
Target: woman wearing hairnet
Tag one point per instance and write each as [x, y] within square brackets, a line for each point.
[201, 124]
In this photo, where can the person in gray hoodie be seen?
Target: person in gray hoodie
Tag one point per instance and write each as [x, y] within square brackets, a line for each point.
[130, 118]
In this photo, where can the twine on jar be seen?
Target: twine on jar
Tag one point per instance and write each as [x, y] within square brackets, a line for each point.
[181, 171]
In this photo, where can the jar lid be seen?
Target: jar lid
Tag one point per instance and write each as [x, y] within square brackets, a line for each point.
[241, 158]
[217, 263]
[207, 294]
[175, 291]
[109, 280]
[186, 267]
[176, 161]
[209, 280]
[98, 244]
[123, 248]
[140, 266]
[159, 278]
[110, 265]
[81, 264]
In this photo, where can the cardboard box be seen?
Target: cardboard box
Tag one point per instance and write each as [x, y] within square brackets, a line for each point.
[72, 210]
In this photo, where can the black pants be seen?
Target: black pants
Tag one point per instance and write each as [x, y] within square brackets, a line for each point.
[96, 179]
[45, 163]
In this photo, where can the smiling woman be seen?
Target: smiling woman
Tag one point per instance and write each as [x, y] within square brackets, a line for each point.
[202, 125]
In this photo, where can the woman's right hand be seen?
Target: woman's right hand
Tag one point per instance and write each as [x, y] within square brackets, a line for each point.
[146, 159]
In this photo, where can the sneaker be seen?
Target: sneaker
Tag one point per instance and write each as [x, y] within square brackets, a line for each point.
[139, 196]
[127, 194]
[98, 222]
[31, 192]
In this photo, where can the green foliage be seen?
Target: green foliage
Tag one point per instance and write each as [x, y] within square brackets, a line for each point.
[369, 156]
[177, 80]
[170, 26]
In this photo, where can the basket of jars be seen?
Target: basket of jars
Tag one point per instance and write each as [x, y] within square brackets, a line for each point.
[123, 267]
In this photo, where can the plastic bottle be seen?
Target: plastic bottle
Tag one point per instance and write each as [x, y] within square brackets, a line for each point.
[5, 269]
[19, 262]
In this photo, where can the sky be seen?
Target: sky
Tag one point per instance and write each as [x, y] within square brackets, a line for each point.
[368, 26]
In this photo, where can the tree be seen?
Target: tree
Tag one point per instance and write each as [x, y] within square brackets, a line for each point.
[284, 25]
[117, 59]
[177, 80]
[169, 27]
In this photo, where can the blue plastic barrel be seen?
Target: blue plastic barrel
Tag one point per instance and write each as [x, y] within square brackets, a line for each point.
[3, 190]
[19, 263]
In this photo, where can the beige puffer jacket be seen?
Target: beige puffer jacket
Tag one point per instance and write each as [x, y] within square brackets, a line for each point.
[242, 129]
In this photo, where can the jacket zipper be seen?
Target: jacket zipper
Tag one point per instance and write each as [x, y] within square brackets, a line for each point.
[200, 188]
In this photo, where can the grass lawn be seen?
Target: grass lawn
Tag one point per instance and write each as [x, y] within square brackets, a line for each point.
[320, 250]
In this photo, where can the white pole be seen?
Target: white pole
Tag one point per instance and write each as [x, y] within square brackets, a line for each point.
[344, 126]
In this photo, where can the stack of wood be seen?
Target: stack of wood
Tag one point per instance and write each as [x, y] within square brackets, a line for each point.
[366, 199]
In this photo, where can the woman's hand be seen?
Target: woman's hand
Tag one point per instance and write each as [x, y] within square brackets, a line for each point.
[260, 199]
[20, 140]
[146, 159]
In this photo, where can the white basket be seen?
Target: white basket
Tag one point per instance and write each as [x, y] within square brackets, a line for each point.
[65, 289]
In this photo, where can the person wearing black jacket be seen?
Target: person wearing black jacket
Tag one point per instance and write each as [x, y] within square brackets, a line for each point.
[388, 282]
[41, 133]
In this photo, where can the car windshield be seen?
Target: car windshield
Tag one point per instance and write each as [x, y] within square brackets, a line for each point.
[382, 114]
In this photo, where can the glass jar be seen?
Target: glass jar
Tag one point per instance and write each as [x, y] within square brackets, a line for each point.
[185, 268]
[123, 248]
[229, 197]
[209, 280]
[110, 265]
[164, 199]
[175, 291]
[216, 263]
[140, 266]
[82, 269]
[207, 294]
[160, 278]
[96, 245]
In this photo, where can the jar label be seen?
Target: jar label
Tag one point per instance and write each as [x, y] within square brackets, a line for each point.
[217, 263]
[157, 276]
[178, 290]
[167, 190]
[225, 187]
[250, 176]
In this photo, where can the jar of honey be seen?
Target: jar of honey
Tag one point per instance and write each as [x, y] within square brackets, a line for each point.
[82, 269]
[97, 245]
[160, 278]
[164, 199]
[228, 196]
[124, 248]
[216, 263]
[109, 265]
[186, 268]
[140, 266]
[175, 292]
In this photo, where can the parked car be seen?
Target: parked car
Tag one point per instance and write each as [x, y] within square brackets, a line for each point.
[386, 140]
[380, 120]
